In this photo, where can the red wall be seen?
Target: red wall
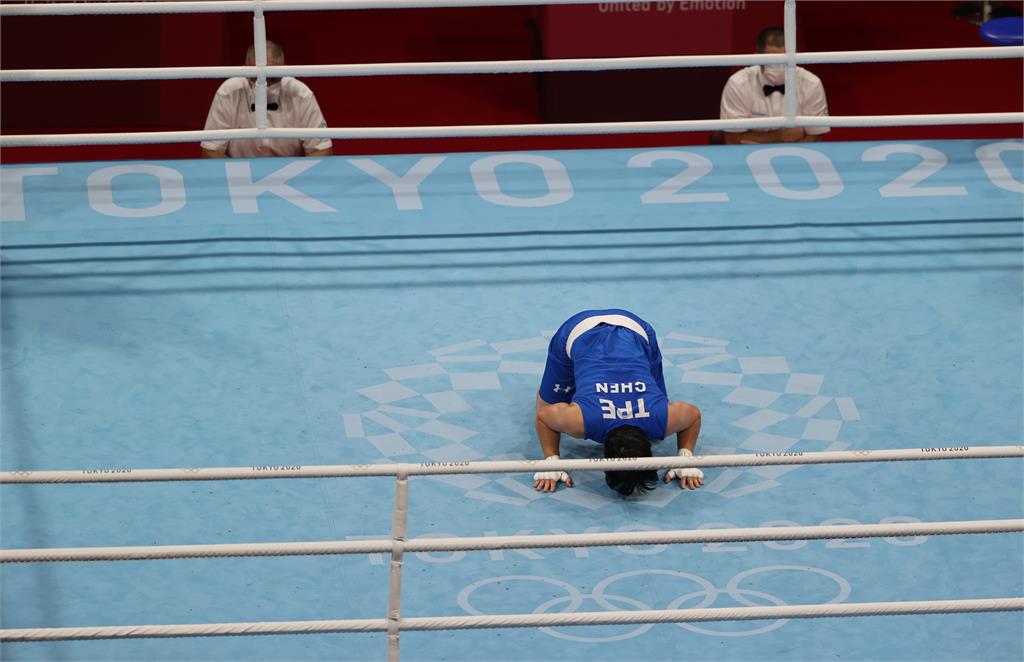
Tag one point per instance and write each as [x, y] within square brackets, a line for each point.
[308, 38]
[482, 34]
[852, 89]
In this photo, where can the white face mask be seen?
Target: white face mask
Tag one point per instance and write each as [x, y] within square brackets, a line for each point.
[774, 73]
[273, 90]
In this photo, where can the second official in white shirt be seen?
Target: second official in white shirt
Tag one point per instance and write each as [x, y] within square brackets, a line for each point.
[759, 91]
[290, 104]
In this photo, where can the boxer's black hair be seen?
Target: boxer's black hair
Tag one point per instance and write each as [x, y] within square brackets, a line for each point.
[629, 441]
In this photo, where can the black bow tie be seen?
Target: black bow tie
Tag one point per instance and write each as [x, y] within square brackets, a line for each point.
[768, 89]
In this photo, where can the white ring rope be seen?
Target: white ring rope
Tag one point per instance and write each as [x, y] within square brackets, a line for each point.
[520, 620]
[490, 543]
[510, 66]
[790, 58]
[129, 475]
[497, 130]
[216, 6]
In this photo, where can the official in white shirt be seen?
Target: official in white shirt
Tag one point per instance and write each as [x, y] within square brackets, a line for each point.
[290, 104]
[759, 91]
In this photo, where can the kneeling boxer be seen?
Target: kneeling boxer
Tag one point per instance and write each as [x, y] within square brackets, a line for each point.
[603, 381]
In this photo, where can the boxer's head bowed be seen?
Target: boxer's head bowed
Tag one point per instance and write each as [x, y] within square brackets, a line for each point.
[629, 441]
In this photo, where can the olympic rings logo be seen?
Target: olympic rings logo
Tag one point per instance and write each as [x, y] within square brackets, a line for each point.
[705, 596]
[20, 474]
[190, 470]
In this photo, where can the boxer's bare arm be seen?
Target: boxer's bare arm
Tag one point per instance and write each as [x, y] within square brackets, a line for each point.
[684, 420]
[551, 421]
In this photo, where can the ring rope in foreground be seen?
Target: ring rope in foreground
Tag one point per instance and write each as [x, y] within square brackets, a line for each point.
[519, 620]
[488, 543]
[128, 475]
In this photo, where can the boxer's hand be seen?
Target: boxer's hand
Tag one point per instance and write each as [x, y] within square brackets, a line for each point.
[690, 478]
[547, 481]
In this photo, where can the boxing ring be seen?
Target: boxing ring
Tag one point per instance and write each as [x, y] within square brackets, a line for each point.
[295, 396]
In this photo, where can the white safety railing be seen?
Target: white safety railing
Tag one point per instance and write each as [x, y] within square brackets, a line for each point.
[398, 544]
[261, 72]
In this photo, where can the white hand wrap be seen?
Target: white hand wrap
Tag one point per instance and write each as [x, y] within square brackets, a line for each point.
[688, 472]
[560, 476]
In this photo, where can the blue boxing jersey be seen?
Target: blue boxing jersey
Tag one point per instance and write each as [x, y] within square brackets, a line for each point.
[608, 363]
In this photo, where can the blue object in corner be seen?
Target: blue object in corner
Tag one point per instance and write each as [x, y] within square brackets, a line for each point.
[1007, 31]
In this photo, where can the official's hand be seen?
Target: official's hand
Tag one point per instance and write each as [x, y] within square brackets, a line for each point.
[690, 478]
[547, 481]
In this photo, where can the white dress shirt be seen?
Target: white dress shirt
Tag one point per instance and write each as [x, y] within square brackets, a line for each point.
[743, 98]
[297, 108]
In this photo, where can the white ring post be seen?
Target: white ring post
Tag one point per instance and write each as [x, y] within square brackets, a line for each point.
[789, 99]
[399, 529]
